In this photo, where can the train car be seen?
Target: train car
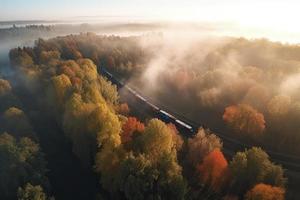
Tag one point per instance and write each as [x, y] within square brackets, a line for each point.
[165, 116]
[109, 74]
[154, 107]
[184, 125]
[106, 73]
[130, 90]
[140, 98]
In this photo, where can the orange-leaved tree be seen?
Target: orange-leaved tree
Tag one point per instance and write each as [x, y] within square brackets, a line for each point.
[244, 119]
[265, 192]
[213, 169]
[129, 127]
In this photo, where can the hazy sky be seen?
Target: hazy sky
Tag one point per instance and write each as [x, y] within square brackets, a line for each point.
[279, 15]
[169, 9]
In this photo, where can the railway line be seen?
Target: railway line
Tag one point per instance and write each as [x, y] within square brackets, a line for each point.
[190, 127]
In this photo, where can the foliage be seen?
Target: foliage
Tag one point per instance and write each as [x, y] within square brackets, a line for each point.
[21, 162]
[131, 127]
[252, 167]
[17, 123]
[201, 145]
[265, 192]
[5, 87]
[244, 119]
[30, 192]
[213, 169]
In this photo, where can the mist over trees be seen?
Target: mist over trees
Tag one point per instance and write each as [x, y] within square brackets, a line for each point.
[58, 89]
[213, 78]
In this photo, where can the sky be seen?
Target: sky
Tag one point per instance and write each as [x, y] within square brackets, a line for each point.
[270, 10]
[263, 15]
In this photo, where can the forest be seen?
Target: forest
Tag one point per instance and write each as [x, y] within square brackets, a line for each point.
[67, 134]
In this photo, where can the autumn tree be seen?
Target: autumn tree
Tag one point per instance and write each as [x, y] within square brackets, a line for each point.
[176, 136]
[17, 123]
[213, 168]
[89, 69]
[21, 162]
[130, 127]
[7, 98]
[201, 145]
[252, 167]
[110, 153]
[265, 192]
[47, 56]
[108, 90]
[244, 119]
[75, 126]
[58, 91]
[30, 192]
[157, 139]
[123, 109]
[152, 171]
[140, 178]
[5, 87]
[20, 58]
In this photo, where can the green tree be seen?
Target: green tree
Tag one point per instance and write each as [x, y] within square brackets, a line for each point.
[253, 166]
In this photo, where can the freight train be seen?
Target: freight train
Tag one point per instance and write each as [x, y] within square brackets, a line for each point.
[160, 113]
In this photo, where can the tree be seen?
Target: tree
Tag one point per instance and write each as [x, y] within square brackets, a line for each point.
[20, 58]
[265, 192]
[30, 192]
[46, 56]
[244, 119]
[123, 109]
[76, 128]
[252, 167]
[59, 88]
[7, 98]
[5, 87]
[176, 137]
[201, 145]
[108, 90]
[89, 69]
[157, 139]
[107, 126]
[130, 127]
[140, 178]
[151, 170]
[213, 168]
[21, 162]
[17, 123]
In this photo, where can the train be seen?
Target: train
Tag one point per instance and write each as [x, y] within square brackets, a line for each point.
[160, 113]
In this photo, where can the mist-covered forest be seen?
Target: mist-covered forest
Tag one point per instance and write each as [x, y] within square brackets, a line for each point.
[66, 133]
[248, 89]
